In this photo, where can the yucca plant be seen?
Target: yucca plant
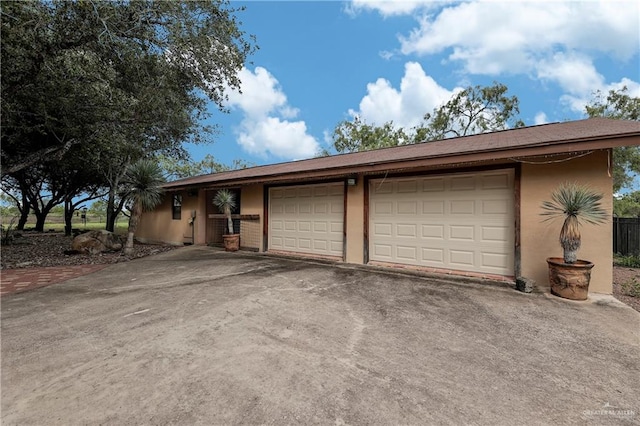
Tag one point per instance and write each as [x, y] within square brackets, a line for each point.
[143, 189]
[225, 200]
[577, 204]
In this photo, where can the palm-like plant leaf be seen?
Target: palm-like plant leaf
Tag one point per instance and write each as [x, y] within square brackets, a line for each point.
[143, 181]
[576, 204]
[225, 200]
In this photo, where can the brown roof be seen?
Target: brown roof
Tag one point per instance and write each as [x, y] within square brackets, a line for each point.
[547, 139]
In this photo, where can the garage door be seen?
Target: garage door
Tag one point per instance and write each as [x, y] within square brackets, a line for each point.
[307, 219]
[461, 222]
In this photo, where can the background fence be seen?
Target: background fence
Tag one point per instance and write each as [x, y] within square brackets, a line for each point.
[626, 235]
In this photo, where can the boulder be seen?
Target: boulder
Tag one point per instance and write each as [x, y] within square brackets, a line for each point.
[94, 242]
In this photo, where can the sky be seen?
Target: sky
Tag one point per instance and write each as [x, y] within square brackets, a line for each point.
[323, 62]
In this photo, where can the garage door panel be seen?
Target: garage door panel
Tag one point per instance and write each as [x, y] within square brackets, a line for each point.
[496, 233]
[383, 207]
[495, 181]
[462, 183]
[304, 243]
[462, 232]
[497, 261]
[433, 185]
[307, 219]
[435, 207]
[383, 251]
[461, 257]
[383, 229]
[462, 221]
[407, 230]
[433, 231]
[337, 227]
[499, 207]
[407, 207]
[410, 186]
[407, 253]
[462, 207]
[433, 257]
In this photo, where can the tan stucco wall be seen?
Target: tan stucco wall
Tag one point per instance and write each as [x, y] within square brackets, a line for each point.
[158, 225]
[539, 240]
[355, 223]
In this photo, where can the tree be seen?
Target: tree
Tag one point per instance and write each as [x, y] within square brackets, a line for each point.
[618, 104]
[628, 205]
[128, 79]
[76, 69]
[180, 168]
[142, 181]
[357, 135]
[473, 110]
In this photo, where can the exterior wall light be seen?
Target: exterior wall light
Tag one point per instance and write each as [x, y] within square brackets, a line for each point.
[352, 181]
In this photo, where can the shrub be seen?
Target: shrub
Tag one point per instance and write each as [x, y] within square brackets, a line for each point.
[631, 288]
[629, 261]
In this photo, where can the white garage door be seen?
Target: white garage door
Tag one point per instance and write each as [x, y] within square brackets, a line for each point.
[307, 219]
[461, 222]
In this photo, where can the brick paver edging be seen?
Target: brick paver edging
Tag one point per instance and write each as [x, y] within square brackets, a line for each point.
[20, 280]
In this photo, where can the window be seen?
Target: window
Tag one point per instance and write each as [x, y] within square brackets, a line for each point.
[176, 205]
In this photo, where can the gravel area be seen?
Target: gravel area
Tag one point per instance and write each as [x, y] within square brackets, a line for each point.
[33, 250]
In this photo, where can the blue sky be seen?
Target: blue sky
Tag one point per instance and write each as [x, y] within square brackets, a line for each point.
[323, 62]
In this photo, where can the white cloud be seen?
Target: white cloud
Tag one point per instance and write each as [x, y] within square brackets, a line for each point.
[288, 139]
[540, 118]
[384, 7]
[554, 41]
[418, 94]
[484, 34]
[268, 126]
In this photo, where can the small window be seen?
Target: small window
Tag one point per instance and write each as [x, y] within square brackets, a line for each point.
[176, 205]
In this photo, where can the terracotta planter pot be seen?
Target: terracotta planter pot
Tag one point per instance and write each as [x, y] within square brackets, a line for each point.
[569, 280]
[231, 242]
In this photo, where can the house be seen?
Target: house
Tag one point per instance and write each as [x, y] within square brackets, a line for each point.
[468, 205]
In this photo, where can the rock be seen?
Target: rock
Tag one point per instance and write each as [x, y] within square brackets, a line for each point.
[95, 242]
[525, 285]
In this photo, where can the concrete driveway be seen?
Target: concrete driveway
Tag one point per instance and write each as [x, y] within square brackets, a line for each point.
[199, 336]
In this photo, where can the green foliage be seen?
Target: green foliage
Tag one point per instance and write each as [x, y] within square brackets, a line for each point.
[618, 104]
[225, 201]
[91, 87]
[142, 183]
[473, 110]
[576, 204]
[629, 261]
[356, 136]
[181, 168]
[628, 205]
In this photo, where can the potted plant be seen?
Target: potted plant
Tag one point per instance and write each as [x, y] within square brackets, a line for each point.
[568, 276]
[225, 201]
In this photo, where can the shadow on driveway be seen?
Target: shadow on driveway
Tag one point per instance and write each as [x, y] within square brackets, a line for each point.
[200, 336]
